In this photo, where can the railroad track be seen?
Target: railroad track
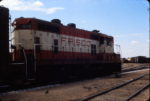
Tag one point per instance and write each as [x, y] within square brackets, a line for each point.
[135, 68]
[4, 89]
[138, 92]
[98, 94]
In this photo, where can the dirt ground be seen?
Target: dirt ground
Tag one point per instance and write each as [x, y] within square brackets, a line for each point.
[81, 89]
[132, 65]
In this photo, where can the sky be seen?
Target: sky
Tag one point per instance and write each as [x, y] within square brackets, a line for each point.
[126, 20]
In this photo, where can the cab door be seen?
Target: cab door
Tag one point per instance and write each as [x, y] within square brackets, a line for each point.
[55, 50]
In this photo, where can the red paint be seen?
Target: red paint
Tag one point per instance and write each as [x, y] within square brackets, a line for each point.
[49, 55]
[65, 30]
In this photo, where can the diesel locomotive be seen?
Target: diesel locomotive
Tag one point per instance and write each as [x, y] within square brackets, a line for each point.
[50, 51]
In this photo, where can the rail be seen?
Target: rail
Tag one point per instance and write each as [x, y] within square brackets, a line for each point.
[135, 68]
[20, 45]
[37, 87]
[117, 49]
[26, 62]
[111, 89]
[138, 92]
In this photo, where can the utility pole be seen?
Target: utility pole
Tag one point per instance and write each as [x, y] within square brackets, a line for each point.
[149, 27]
[149, 38]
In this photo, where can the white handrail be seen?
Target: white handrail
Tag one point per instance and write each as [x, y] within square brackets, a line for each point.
[26, 62]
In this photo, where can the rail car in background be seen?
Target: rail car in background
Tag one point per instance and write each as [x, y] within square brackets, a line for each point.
[50, 51]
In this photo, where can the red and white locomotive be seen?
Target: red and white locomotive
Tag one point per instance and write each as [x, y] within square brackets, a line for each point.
[51, 50]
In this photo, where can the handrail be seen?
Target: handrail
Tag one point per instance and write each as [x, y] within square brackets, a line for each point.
[117, 49]
[25, 57]
[26, 62]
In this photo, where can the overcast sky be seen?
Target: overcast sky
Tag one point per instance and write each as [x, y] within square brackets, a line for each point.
[126, 20]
